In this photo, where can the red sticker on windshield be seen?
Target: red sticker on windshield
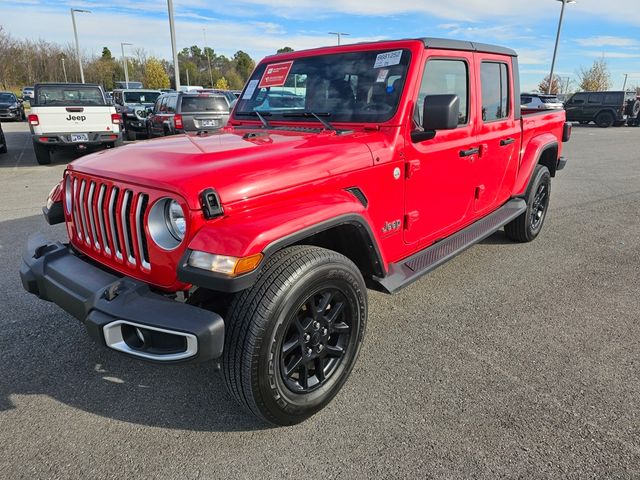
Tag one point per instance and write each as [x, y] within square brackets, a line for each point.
[275, 74]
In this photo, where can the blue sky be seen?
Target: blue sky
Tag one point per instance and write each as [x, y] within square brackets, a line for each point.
[592, 27]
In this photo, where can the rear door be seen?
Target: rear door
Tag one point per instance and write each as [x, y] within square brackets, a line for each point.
[204, 112]
[438, 172]
[498, 134]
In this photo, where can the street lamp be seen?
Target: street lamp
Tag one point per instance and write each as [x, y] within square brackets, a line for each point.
[204, 32]
[624, 86]
[172, 29]
[339, 35]
[75, 34]
[555, 50]
[125, 63]
[64, 71]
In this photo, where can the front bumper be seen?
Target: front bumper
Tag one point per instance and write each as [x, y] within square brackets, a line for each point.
[11, 115]
[64, 139]
[135, 124]
[120, 312]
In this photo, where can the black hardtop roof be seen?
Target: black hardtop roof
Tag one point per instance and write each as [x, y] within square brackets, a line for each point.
[449, 44]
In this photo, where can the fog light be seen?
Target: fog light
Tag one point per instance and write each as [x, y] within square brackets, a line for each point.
[224, 264]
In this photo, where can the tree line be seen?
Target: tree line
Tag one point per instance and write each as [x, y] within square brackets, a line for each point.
[25, 62]
[597, 78]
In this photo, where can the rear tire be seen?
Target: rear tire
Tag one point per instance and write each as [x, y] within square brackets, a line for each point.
[3, 148]
[131, 135]
[605, 119]
[527, 226]
[293, 337]
[43, 154]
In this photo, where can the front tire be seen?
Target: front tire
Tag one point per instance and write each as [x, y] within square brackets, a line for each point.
[131, 135]
[293, 337]
[527, 226]
[43, 154]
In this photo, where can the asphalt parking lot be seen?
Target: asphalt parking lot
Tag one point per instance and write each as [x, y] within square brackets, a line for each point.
[509, 361]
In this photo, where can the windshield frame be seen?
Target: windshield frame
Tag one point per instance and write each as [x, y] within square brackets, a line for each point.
[244, 110]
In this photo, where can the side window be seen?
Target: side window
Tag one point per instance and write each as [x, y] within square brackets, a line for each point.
[612, 99]
[171, 103]
[596, 98]
[441, 77]
[156, 107]
[526, 100]
[494, 77]
[163, 105]
[579, 98]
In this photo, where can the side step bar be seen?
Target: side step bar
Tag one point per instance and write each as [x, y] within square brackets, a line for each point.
[412, 268]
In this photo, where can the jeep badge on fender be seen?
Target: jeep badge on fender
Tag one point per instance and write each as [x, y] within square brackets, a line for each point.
[255, 244]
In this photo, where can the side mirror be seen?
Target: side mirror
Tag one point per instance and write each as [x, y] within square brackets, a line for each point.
[440, 112]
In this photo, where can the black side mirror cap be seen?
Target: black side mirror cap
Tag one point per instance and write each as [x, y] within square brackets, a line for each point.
[440, 112]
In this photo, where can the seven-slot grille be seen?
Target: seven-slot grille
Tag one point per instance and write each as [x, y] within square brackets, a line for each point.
[110, 219]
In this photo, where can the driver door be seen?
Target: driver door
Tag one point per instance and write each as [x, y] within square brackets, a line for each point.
[439, 185]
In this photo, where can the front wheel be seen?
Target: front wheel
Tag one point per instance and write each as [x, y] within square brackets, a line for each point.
[130, 134]
[527, 226]
[293, 337]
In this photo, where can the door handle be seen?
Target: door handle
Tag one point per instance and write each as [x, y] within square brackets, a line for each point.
[507, 141]
[470, 152]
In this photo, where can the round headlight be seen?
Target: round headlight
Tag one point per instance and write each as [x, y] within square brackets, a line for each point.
[175, 219]
[167, 223]
[67, 194]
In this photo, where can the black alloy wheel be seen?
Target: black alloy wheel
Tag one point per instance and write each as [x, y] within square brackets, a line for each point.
[316, 341]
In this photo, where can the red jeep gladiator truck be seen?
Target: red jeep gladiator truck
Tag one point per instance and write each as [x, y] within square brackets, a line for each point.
[341, 169]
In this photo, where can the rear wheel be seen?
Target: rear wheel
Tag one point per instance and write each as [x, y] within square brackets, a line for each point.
[3, 144]
[130, 134]
[43, 154]
[292, 339]
[605, 119]
[527, 226]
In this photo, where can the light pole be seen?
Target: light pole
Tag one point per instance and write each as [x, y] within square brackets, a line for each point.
[555, 50]
[172, 29]
[125, 64]
[64, 70]
[204, 32]
[75, 34]
[339, 35]
[624, 86]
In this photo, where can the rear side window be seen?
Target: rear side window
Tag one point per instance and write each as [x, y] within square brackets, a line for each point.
[204, 103]
[442, 77]
[495, 91]
[69, 95]
[613, 98]
[172, 101]
[596, 98]
[526, 100]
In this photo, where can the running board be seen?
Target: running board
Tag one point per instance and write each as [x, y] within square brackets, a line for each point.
[412, 268]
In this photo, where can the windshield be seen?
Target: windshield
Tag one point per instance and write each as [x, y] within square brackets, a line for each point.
[141, 97]
[204, 103]
[345, 87]
[8, 98]
[66, 95]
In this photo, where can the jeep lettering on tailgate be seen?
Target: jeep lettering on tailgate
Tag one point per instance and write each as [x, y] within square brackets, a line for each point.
[347, 167]
[77, 118]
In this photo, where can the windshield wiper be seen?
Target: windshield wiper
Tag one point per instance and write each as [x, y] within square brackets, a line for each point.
[318, 116]
[260, 115]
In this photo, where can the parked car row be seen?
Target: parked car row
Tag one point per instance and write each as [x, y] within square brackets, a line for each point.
[11, 107]
[605, 109]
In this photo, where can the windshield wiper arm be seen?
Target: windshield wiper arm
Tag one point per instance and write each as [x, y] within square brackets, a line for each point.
[318, 116]
[256, 113]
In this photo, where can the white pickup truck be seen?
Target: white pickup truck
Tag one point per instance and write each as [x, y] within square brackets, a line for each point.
[71, 115]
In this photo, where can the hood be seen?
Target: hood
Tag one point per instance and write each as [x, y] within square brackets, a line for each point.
[239, 163]
[8, 105]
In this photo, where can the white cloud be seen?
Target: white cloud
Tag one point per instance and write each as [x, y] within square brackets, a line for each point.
[607, 41]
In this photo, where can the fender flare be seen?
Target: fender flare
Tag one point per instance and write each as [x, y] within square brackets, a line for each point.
[536, 148]
[350, 213]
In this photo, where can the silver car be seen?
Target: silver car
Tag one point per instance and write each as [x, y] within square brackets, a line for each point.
[540, 101]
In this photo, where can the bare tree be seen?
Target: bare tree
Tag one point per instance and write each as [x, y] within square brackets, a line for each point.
[556, 85]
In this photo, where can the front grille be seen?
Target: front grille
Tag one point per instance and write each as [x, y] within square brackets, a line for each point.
[110, 220]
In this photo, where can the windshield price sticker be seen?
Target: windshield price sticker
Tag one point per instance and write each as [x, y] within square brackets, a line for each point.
[388, 58]
[275, 75]
[251, 87]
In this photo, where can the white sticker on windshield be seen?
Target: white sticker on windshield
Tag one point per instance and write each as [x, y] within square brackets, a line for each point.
[382, 75]
[251, 87]
[388, 58]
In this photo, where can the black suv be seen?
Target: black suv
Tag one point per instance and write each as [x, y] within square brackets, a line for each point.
[181, 112]
[603, 108]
